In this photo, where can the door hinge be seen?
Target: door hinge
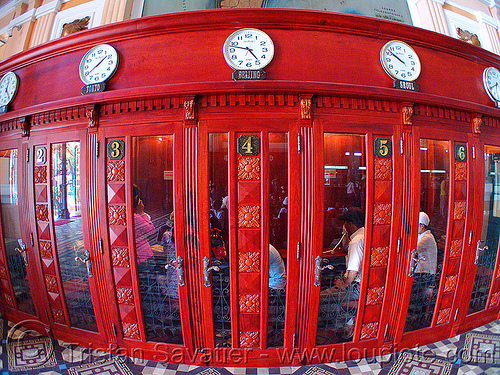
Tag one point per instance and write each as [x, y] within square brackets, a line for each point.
[101, 246]
[402, 146]
[456, 314]
[298, 250]
[97, 149]
[399, 244]
[386, 329]
[299, 143]
[293, 341]
[28, 155]
[114, 329]
[47, 315]
[473, 152]
[470, 237]
[32, 240]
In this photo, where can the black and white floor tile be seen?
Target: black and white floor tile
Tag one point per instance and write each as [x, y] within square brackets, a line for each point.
[25, 352]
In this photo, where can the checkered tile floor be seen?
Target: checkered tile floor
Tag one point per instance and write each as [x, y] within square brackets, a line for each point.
[460, 355]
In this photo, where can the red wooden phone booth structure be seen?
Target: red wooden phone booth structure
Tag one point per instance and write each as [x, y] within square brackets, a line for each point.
[225, 168]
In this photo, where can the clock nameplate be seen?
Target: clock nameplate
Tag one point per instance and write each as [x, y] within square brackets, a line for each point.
[405, 85]
[249, 75]
[93, 88]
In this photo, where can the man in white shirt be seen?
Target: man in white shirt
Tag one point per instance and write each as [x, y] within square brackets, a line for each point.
[426, 247]
[424, 272]
[354, 221]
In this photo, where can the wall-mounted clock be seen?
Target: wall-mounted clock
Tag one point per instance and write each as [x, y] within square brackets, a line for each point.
[99, 64]
[248, 49]
[400, 61]
[8, 90]
[491, 81]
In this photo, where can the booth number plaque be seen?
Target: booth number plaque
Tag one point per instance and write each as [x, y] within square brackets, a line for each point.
[116, 149]
[460, 152]
[249, 145]
[383, 147]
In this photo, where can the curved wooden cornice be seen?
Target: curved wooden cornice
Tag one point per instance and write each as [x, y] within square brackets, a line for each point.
[260, 18]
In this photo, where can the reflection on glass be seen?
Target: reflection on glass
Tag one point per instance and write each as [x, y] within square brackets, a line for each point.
[278, 219]
[343, 238]
[428, 263]
[219, 236]
[69, 236]
[487, 248]
[154, 237]
[12, 231]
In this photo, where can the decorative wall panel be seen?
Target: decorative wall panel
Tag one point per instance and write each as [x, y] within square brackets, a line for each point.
[249, 257]
[45, 244]
[120, 252]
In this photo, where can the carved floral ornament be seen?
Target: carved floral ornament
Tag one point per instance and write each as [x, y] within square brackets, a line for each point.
[476, 124]
[305, 108]
[92, 114]
[190, 109]
[407, 113]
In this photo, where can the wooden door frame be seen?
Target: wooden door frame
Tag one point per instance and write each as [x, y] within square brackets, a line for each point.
[33, 272]
[412, 338]
[464, 321]
[65, 331]
[141, 345]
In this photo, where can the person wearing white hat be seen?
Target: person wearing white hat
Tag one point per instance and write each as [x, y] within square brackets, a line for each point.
[426, 247]
[424, 272]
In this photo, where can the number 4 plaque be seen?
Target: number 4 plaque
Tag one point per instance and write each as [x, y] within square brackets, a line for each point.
[249, 145]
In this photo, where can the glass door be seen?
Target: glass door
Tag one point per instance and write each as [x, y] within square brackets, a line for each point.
[13, 247]
[159, 265]
[145, 238]
[338, 270]
[426, 264]
[483, 294]
[61, 209]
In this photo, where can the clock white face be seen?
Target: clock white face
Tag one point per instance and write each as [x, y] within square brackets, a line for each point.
[98, 64]
[400, 61]
[248, 49]
[8, 88]
[491, 81]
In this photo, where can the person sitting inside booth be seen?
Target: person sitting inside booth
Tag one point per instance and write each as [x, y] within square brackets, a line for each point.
[354, 221]
[425, 267]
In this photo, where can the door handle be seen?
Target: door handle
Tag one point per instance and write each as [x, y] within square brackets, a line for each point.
[22, 251]
[87, 261]
[207, 270]
[317, 270]
[179, 266]
[481, 247]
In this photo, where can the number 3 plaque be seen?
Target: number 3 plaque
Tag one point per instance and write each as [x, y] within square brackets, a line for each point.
[116, 149]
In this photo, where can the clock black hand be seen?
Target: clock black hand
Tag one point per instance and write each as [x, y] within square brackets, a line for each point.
[393, 54]
[247, 48]
[250, 50]
[98, 63]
